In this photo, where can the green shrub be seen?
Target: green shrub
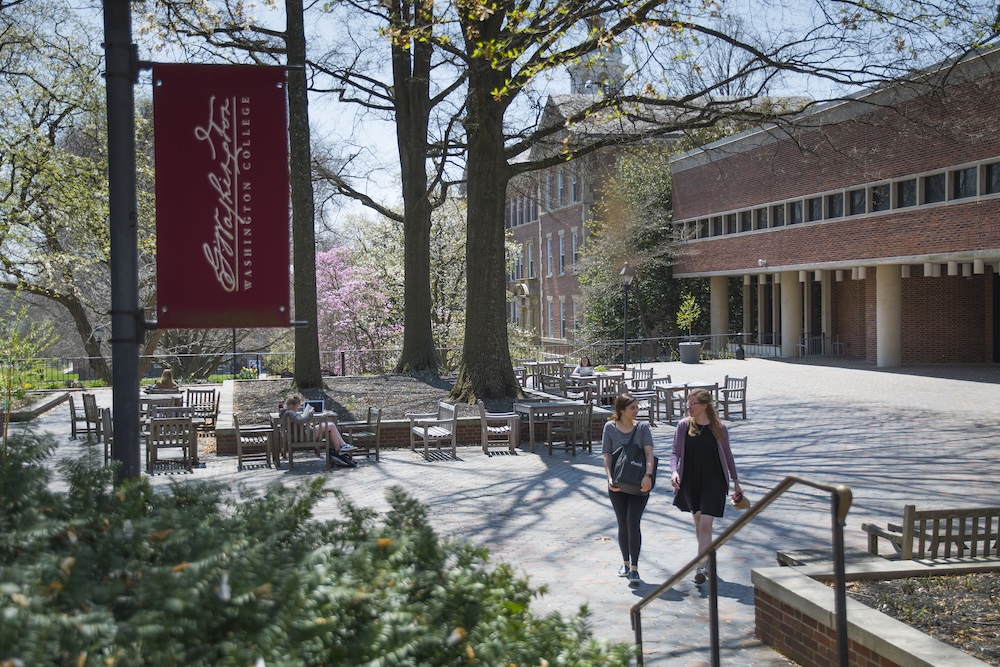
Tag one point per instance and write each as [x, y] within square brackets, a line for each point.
[99, 575]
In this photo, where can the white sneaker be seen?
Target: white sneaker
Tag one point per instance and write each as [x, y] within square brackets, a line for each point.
[347, 447]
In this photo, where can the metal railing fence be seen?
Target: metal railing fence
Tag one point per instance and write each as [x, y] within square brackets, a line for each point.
[58, 372]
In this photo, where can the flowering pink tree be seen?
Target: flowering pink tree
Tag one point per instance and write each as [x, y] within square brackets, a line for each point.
[353, 310]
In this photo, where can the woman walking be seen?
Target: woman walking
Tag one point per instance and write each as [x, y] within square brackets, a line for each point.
[701, 465]
[618, 432]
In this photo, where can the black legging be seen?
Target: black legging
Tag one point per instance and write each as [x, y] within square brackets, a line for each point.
[628, 510]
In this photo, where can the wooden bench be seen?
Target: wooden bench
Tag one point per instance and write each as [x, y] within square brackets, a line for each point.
[436, 428]
[944, 533]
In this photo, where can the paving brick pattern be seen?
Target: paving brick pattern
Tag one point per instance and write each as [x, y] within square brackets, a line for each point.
[927, 435]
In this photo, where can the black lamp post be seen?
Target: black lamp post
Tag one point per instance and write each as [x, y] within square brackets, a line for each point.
[627, 275]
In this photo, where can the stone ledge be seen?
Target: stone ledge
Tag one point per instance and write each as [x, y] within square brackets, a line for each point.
[869, 630]
[38, 407]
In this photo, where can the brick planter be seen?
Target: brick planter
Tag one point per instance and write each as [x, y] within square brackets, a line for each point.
[795, 616]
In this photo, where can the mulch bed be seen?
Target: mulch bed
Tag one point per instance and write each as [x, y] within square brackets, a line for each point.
[350, 397]
[963, 610]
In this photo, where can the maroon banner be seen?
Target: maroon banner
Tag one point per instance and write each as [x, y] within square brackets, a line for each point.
[222, 196]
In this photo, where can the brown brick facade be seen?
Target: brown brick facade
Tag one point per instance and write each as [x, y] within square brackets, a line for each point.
[892, 134]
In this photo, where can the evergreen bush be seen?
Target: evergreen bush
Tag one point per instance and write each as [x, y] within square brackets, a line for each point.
[105, 575]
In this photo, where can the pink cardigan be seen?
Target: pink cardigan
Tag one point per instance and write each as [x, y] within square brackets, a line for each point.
[725, 454]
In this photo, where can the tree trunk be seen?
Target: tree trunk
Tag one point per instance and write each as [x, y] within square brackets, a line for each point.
[307, 364]
[486, 370]
[411, 77]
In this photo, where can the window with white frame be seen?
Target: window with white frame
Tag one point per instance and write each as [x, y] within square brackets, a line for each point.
[562, 318]
[548, 255]
[576, 248]
[561, 189]
[549, 318]
[531, 260]
[574, 186]
[576, 316]
[562, 254]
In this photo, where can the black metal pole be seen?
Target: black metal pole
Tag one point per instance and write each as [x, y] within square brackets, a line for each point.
[625, 331]
[127, 330]
[840, 582]
[713, 608]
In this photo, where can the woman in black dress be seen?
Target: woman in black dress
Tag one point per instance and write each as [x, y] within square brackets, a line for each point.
[701, 465]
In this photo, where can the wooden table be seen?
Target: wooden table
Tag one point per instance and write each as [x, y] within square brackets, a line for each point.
[538, 412]
[665, 396]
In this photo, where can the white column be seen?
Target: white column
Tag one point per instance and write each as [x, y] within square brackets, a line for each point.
[826, 304]
[791, 313]
[719, 297]
[888, 316]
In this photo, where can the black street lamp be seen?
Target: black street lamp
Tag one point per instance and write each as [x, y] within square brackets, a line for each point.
[627, 275]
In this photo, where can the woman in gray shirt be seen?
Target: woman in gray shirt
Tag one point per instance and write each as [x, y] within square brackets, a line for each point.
[628, 508]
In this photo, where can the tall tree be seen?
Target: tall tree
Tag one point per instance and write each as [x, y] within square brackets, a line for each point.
[54, 241]
[506, 47]
[229, 32]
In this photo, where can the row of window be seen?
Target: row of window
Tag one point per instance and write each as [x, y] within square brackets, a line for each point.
[952, 185]
[555, 189]
[528, 257]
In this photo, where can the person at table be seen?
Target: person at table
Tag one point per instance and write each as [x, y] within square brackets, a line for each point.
[584, 369]
[293, 410]
[166, 380]
[701, 466]
[619, 429]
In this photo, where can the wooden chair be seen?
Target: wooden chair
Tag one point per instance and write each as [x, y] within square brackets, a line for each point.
[733, 393]
[253, 444]
[305, 436]
[436, 428]
[76, 417]
[641, 379]
[206, 406]
[574, 428]
[499, 429]
[172, 412]
[109, 433]
[178, 433]
[365, 435]
[90, 417]
[608, 387]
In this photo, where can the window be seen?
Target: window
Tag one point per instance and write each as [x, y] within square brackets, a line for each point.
[561, 188]
[548, 255]
[520, 209]
[562, 255]
[575, 186]
[761, 215]
[562, 318]
[510, 213]
[934, 189]
[880, 197]
[576, 249]
[992, 179]
[964, 183]
[835, 205]
[549, 313]
[518, 269]
[778, 215]
[906, 193]
[703, 229]
[549, 192]
[795, 212]
[717, 226]
[746, 221]
[531, 260]
[731, 223]
[858, 201]
[815, 209]
[576, 317]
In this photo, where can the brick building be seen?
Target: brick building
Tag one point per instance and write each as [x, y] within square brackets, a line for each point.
[872, 229]
[547, 210]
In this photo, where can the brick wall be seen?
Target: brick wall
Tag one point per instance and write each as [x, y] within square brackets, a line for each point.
[805, 640]
[958, 227]
[952, 127]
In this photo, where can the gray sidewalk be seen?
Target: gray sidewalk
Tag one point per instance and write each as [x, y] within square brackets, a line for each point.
[927, 435]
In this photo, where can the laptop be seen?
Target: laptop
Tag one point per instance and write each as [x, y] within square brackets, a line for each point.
[317, 405]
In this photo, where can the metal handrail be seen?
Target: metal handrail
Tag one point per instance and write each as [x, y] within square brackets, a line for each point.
[840, 503]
